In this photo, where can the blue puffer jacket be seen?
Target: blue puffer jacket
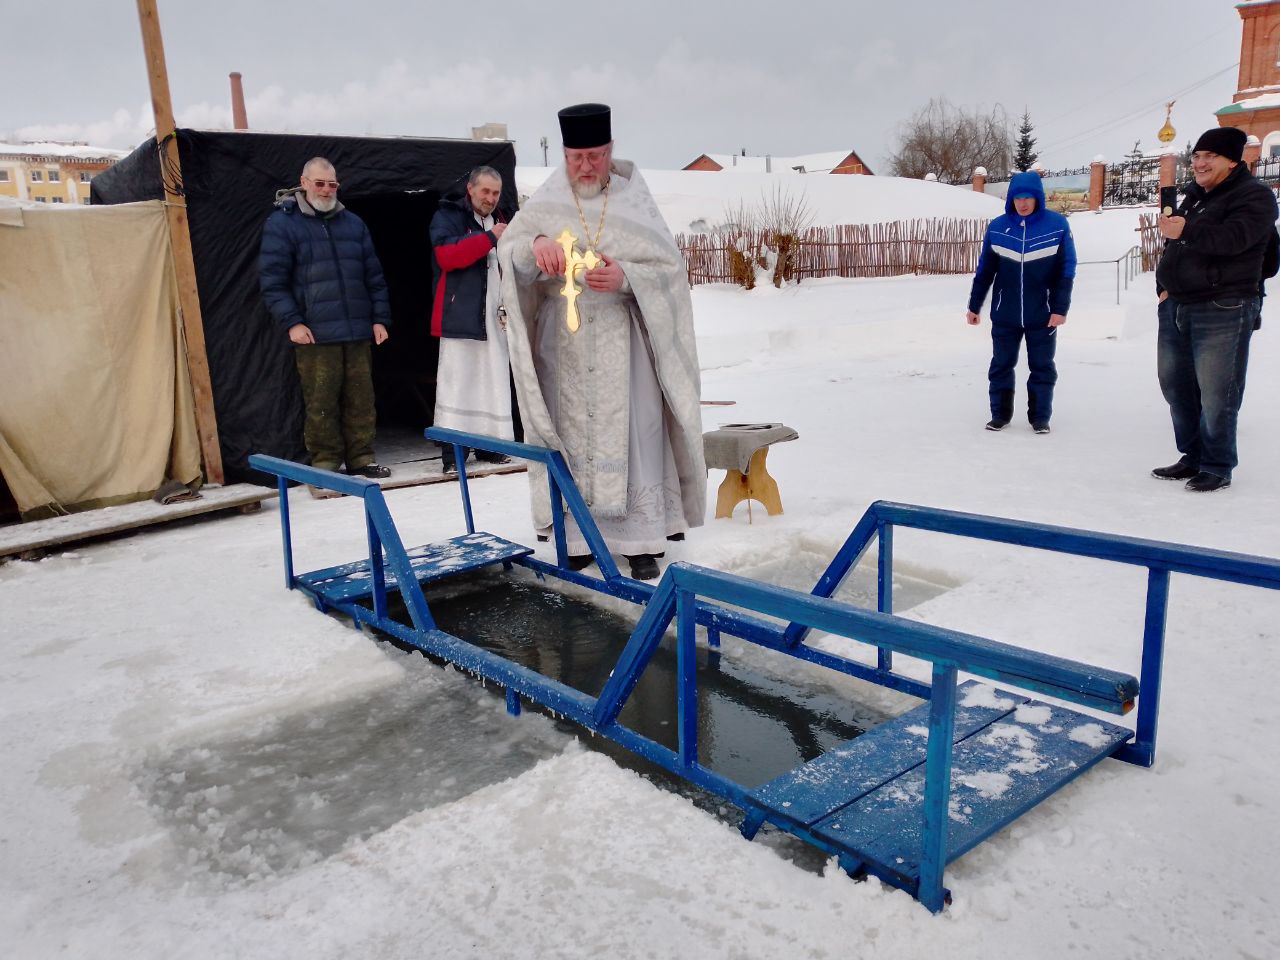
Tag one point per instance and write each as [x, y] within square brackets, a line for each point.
[1031, 260]
[321, 270]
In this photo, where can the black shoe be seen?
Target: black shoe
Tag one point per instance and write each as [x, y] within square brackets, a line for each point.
[644, 566]
[486, 456]
[448, 467]
[996, 424]
[675, 537]
[1207, 483]
[1176, 471]
[580, 563]
[1041, 427]
[373, 471]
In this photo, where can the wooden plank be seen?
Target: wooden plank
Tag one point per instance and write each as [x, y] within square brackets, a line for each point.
[841, 776]
[60, 531]
[997, 774]
[432, 561]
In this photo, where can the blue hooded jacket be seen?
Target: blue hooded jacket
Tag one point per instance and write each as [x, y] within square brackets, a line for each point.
[1031, 260]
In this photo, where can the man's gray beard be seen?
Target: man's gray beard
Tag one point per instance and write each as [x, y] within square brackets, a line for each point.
[586, 190]
[324, 204]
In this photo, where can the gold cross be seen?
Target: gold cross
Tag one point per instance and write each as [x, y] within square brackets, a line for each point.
[573, 262]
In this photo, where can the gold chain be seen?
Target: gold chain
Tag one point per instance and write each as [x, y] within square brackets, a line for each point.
[586, 231]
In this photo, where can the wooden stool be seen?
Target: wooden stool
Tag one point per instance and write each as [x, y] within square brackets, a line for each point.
[728, 449]
[755, 484]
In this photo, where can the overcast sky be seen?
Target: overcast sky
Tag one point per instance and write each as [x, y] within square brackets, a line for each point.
[684, 77]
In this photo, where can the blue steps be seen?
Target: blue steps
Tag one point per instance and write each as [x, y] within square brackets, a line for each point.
[866, 797]
[433, 561]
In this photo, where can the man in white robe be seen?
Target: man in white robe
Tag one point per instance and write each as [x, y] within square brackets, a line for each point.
[619, 393]
[473, 386]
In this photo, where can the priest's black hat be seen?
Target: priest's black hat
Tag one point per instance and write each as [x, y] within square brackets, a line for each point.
[1224, 141]
[585, 125]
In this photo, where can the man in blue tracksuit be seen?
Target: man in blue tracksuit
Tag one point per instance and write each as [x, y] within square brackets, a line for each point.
[1029, 254]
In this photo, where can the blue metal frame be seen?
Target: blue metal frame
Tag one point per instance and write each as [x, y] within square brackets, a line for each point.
[1160, 559]
[691, 596]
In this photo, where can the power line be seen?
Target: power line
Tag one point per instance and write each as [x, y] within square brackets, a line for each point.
[1110, 124]
[1145, 73]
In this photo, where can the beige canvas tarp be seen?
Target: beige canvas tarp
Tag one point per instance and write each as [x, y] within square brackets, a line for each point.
[95, 402]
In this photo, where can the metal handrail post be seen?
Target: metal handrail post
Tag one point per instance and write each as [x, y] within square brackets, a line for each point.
[687, 671]
[1143, 749]
[286, 534]
[884, 589]
[460, 461]
[377, 571]
[937, 786]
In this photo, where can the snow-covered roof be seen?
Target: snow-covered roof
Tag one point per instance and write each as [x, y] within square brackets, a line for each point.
[811, 162]
[1265, 101]
[63, 151]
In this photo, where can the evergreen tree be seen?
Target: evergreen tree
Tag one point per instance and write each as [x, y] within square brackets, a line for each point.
[1024, 152]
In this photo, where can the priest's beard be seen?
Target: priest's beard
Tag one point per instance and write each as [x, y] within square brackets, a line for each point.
[324, 204]
[586, 190]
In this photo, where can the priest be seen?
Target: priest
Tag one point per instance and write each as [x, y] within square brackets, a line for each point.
[600, 329]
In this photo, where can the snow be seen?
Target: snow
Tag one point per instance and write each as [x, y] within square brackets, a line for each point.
[687, 196]
[149, 681]
[69, 151]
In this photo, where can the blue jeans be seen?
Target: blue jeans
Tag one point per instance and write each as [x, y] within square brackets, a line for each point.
[1201, 355]
[1042, 342]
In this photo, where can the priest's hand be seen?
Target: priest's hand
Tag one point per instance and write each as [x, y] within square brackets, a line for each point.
[549, 256]
[606, 278]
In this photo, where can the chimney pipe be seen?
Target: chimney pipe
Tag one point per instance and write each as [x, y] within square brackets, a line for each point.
[239, 120]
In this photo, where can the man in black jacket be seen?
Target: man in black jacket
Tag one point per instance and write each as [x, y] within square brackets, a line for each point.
[323, 284]
[473, 378]
[1209, 282]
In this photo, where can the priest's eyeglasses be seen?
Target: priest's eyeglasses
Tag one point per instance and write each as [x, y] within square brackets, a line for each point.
[576, 157]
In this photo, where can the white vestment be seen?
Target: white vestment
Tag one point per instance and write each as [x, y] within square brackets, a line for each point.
[473, 388]
[619, 397]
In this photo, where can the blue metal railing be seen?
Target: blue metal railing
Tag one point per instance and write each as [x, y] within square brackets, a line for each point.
[691, 595]
[1161, 559]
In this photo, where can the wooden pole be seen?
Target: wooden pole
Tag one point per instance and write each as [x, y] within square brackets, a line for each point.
[180, 241]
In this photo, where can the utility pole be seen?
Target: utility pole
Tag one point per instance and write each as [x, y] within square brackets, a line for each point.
[544, 151]
[184, 267]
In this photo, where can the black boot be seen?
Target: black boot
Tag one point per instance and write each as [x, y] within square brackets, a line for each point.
[644, 566]
[1176, 471]
[1001, 410]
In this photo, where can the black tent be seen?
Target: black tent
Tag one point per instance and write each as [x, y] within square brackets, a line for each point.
[229, 180]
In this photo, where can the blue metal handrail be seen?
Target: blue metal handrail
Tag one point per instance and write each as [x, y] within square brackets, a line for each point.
[948, 651]
[676, 596]
[1160, 558]
[562, 490]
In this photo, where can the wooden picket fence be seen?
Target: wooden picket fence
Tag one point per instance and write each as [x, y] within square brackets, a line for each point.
[1149, 240]
[922, 246]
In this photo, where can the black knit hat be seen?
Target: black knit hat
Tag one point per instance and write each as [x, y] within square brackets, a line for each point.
[585, 125]
[1224, 141]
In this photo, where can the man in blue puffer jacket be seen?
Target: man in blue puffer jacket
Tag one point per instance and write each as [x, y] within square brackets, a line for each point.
[323, 284]
[1029, 254]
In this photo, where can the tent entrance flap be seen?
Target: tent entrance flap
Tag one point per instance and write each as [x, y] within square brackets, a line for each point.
[404, 368]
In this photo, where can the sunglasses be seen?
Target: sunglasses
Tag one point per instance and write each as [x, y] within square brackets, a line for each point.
[331, 184]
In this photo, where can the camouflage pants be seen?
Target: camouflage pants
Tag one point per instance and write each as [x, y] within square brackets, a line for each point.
[337, 391]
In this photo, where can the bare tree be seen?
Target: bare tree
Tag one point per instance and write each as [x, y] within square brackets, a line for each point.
[950, 141]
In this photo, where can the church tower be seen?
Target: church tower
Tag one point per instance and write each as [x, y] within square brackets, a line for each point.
[1255, 106]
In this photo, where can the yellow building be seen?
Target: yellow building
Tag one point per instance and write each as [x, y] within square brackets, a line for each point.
[52, 172]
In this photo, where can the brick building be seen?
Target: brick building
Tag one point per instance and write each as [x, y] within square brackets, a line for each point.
[1255, 107]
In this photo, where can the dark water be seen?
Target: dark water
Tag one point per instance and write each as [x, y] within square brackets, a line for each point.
[752, 724]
